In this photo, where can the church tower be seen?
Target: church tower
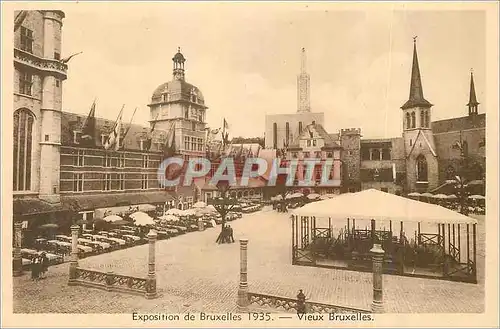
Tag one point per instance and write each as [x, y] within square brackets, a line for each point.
[420, 150]
[303, 89]
[473, 103]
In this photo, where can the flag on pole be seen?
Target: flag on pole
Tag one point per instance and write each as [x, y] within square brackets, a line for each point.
[226, 125]
[114, 137]
[149, 139]
[129, 125]
[88, 131]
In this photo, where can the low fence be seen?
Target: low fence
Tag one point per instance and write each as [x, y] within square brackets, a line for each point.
[290, 304]
[300, 305]
[109, 281]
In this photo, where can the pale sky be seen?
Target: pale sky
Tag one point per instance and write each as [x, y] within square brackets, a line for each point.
[245, 59]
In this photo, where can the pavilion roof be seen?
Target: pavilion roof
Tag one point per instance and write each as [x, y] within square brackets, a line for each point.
[381, 206]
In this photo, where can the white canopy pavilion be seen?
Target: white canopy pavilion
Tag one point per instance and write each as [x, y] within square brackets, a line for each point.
[333, 222]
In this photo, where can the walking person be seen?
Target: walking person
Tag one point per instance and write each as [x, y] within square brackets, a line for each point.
[230, 234]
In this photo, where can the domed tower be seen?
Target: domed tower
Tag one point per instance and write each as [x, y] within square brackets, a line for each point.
[180, 107]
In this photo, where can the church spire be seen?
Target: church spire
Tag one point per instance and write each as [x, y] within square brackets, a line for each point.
[473, 103]
[416, 97]
[303, 82]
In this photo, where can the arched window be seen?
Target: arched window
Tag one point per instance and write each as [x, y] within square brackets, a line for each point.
[427, 119]
[23, 142]
[421, 169]
[275, 135]
[408, 120]
[422, 119]
[300, 127]
[375, 154]
[413, 119]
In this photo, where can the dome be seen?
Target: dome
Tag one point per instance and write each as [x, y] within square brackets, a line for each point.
[179, 57]
[178, 90]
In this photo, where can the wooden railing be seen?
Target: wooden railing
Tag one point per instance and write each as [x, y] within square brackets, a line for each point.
[290, 304]
[110, 281]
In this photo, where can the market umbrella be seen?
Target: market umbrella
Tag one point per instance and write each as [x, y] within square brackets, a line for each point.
[173, 211]
[427, 194]
[313, 196]
[144, 221]
[200, 204]
[414, 194]
[476, 197]
[452, 196]
[168, 218]
[112, 218]
[440, 196]
[138, 214]
[49, 226]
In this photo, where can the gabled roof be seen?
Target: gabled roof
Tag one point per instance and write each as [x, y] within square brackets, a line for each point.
[426, 141]
[323, 134]
[74, 122]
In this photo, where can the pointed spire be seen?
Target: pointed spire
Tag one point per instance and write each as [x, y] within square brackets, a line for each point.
[416, 97]
[472, 93]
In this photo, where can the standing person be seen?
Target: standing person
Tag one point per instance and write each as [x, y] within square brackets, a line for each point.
[230, 234]
[35, 268]
[44, 264]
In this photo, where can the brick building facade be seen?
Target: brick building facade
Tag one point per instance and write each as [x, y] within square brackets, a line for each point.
[421, 159]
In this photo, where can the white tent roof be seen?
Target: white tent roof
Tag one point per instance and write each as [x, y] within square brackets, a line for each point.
[374, 204]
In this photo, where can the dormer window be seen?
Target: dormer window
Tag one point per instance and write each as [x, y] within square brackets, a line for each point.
[308, 143]
[104, 137]
[314, 142]
[76, 136]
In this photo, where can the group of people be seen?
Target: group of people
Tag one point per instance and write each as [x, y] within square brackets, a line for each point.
[226, 235]
[39, 266]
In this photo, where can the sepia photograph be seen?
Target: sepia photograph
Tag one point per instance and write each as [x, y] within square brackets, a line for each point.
[249, 164]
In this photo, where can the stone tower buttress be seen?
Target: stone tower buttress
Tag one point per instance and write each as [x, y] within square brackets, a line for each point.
[51, 108]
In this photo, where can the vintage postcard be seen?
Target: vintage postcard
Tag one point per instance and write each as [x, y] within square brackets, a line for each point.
[249, 164]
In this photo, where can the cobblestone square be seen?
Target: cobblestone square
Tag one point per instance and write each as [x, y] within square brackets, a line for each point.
[195, 274]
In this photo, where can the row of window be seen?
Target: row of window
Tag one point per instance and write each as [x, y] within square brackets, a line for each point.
[108, 161]
[26, 79]
[193, 143]
[109, 182]
[424, 119]
[375, 154]
[27, 40]
[309, 155]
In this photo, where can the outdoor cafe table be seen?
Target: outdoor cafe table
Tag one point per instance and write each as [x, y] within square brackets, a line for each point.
[126, 231]
[133, 237]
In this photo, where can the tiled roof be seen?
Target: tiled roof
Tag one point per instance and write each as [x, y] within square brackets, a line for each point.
[457, 124]
[72, 121]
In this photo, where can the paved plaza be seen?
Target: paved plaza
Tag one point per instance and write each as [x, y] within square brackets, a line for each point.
[195, 274]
